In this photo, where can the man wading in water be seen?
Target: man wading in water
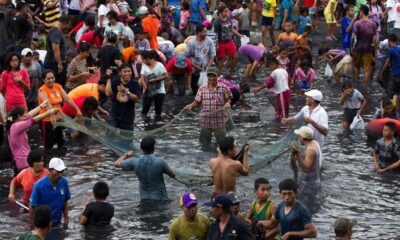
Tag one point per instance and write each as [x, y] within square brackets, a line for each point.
[224, 169]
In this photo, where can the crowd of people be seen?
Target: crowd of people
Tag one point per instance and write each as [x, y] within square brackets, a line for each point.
[68, 58]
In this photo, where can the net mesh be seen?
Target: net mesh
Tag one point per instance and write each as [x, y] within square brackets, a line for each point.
[120, 141]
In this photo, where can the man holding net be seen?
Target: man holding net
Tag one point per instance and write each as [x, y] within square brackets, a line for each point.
[214, 99]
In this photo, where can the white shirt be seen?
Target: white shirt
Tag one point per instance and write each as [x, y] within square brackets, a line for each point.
[74, 5]
[129, 33]
[280, 77]
[392, 13]
[319, 116]
[102, 11]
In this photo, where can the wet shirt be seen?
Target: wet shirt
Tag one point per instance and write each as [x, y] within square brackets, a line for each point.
[151, 73]
[354, 100]
[26, 179]
[235, 229]
[200, 52]
[19, 142]
[182, 229]
[124, 111]
[223, 29]
[365, 31]
[44, 193]
[388, 154]
[394, 56]
[98, 214]
[295, 221]
[212, 104]
[149, 169]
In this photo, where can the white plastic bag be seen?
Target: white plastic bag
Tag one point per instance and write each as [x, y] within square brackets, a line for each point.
[328, 71]
[358, 123]
[244, 40]
[202, 79]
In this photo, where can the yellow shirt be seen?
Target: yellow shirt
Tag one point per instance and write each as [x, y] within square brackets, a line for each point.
[182, 229]
[271, 11]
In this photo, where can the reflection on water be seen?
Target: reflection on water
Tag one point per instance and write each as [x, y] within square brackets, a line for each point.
[349, 186]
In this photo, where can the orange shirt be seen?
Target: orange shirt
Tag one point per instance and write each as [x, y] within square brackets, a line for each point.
[26, 179]
[54, 97]
[85, 90]
[284, 37]
[150, 26]
[129, 54]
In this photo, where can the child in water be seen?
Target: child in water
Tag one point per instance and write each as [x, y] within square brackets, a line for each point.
[304, 76]
[353, 102]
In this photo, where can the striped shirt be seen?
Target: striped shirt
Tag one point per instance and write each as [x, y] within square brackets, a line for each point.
[51, 14]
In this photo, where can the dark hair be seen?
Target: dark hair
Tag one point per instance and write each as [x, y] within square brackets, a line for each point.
[221, 9]
[90, 22]
[273, 61]
[123, 66]
[347, 8]
[20, 5]
[185, 5]
[303, 10]
[260, 181]
[47, 71]
[391, 125]
[83, 47]
[199, 28]
[63, 19]
[226, 144]
[15, 112]
[393, 37]
[112, 14]
[347, 84]
[35, 155]
[323, 50]
[139, 30]
[148, 55]
[102, 81]
[288, 184]
[8, 58]
[111, 37]
[101, 190]
[42, 216]
[100, 2]
[164, 10]
[308, 28]
[364, 9]
[147, 144]
[245, 87]
[305, 63]
[386, 102]
[89, 104]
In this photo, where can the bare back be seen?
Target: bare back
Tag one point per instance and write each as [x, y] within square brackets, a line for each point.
[224, 171]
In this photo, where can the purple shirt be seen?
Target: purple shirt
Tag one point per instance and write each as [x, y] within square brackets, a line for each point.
[255, 53]
[365, 31]
[19, 143]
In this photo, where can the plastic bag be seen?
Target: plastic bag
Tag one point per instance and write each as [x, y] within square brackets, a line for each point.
[358, 123]
[328, 71]
[244, 40]
[202, 79]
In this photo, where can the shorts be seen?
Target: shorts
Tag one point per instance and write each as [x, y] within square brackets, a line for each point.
[349, 114]
[311, 10]
[329, 18]
[226, 48]
[73, 12]
[364, 59]
[244, 59]
[303, 84]
[266, 21]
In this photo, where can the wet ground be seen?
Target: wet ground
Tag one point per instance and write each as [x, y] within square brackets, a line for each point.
[349, 186]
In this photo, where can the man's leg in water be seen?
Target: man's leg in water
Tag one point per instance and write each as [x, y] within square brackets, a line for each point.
[219, 133]
[205, 136]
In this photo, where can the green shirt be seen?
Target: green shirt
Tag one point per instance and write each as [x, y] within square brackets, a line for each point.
[181, 229]
[28, 236]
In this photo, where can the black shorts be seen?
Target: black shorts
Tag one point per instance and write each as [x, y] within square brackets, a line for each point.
[266, 21]
[235, 95]
[349, 115]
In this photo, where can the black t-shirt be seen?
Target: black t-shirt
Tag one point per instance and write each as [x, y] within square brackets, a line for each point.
[124, 111]
[34, 5]
[21, 27]
[99, 214]
[55, 36]
[107, 56]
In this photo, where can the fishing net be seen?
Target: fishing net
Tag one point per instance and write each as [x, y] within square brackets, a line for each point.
[121, 141]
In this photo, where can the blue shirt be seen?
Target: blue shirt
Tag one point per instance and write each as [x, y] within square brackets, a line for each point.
[303, 21]
[149, 169]
[44, 193]
[346, 40]
[195, 15]
[394, 56]
[287, 4]
[295, 221]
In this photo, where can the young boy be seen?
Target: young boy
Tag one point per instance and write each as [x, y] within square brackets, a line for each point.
[345, 22]
[141, 44]
[262, 208]
[392, 60]
[278, 83]
[99, 213]
[387, 151]
[353, 102]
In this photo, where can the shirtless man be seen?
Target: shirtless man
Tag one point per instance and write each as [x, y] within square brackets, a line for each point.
[224, 169]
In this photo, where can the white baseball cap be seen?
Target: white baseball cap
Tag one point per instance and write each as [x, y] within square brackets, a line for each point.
[236, 12]
[143, 10]
[57, 164]
[25, 51]
[305, 132]
[314, 94]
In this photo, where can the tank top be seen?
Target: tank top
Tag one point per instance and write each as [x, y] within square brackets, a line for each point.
[265, 212]
[312, 178]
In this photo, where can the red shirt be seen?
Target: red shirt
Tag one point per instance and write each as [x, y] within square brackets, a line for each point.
[90, 39]
[69, 111]
[26, 179]
[174, 70]
[308, 3]
[14, 92]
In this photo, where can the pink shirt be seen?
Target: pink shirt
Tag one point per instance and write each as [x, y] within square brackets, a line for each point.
[302, 76]
[14, 92]
[184, 19]
[19, 143]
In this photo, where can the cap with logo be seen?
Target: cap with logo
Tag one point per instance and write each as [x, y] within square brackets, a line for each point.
[234, 197]
[222, 201]
[187, 200]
